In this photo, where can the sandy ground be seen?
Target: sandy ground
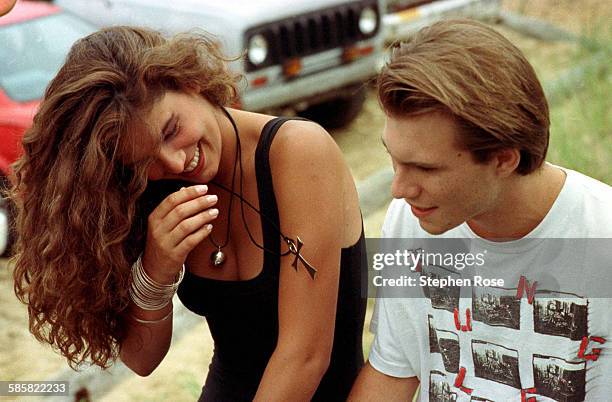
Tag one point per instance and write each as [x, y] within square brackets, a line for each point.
[181, 374]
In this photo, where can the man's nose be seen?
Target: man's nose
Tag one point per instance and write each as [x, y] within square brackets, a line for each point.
[404, 184]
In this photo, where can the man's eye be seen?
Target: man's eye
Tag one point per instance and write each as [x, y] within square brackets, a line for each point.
[426, 169]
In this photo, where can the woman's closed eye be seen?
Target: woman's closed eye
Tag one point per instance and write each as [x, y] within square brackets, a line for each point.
[171, 128]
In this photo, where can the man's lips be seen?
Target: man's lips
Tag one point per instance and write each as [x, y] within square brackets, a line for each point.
[422, 212]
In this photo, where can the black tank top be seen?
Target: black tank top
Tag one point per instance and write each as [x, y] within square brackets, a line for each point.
[243, 315]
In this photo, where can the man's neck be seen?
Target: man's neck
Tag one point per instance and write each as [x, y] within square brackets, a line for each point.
[522, 206]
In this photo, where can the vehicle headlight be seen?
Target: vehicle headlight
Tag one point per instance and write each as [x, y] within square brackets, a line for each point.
[258, 49]
[368, 20]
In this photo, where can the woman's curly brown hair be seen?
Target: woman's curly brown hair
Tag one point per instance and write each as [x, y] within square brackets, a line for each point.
[78, 218]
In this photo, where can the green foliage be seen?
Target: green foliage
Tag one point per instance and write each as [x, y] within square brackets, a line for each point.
[581, 133]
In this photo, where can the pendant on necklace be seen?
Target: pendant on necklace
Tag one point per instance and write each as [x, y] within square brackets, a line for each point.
[217, 257]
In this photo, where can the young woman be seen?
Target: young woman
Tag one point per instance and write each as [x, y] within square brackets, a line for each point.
[136, 175]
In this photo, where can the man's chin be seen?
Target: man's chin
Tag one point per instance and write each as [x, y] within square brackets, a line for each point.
[432, 229]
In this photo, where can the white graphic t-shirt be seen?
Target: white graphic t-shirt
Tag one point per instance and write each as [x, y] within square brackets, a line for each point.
[518, 342]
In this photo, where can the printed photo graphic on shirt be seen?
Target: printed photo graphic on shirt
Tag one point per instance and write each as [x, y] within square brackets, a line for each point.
[447, 297]
[433, 337]
[565, 316]
[496, 363]
[559, 379]
[440, 388]
[496, 307]
[448, 344]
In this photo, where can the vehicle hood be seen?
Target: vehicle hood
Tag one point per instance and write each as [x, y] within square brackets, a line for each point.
[249, 12]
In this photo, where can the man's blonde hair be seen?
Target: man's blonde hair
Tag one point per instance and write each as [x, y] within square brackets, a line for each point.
[468, 69]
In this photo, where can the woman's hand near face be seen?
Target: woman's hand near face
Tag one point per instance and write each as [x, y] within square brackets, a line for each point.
[178, 224]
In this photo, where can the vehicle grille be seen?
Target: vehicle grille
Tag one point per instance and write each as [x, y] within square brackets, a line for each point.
[310, 33]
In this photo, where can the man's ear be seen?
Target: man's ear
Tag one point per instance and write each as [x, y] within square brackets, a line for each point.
[506, 161]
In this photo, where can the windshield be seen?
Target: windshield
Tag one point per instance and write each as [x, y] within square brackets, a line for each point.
[33, 51]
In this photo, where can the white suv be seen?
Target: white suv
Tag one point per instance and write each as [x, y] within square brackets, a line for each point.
[312, 56]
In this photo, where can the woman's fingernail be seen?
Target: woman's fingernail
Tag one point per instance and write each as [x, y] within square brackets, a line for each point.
[202, 188]
[211, 198]
[208, 227]
[213, 212]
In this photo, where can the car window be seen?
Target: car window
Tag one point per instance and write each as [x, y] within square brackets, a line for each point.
[33, 51]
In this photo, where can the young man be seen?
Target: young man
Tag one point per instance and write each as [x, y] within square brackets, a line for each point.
[467, 130]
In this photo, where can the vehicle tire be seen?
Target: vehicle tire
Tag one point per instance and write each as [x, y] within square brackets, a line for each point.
[7, 232]
[338, 112]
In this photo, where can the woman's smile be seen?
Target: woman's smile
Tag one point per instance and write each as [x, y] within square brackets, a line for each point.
[196, 164]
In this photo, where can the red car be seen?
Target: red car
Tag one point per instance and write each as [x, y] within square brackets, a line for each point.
[34, 40]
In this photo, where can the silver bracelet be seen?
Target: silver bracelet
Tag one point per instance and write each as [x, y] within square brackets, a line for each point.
[140, 320]
[148, 294]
